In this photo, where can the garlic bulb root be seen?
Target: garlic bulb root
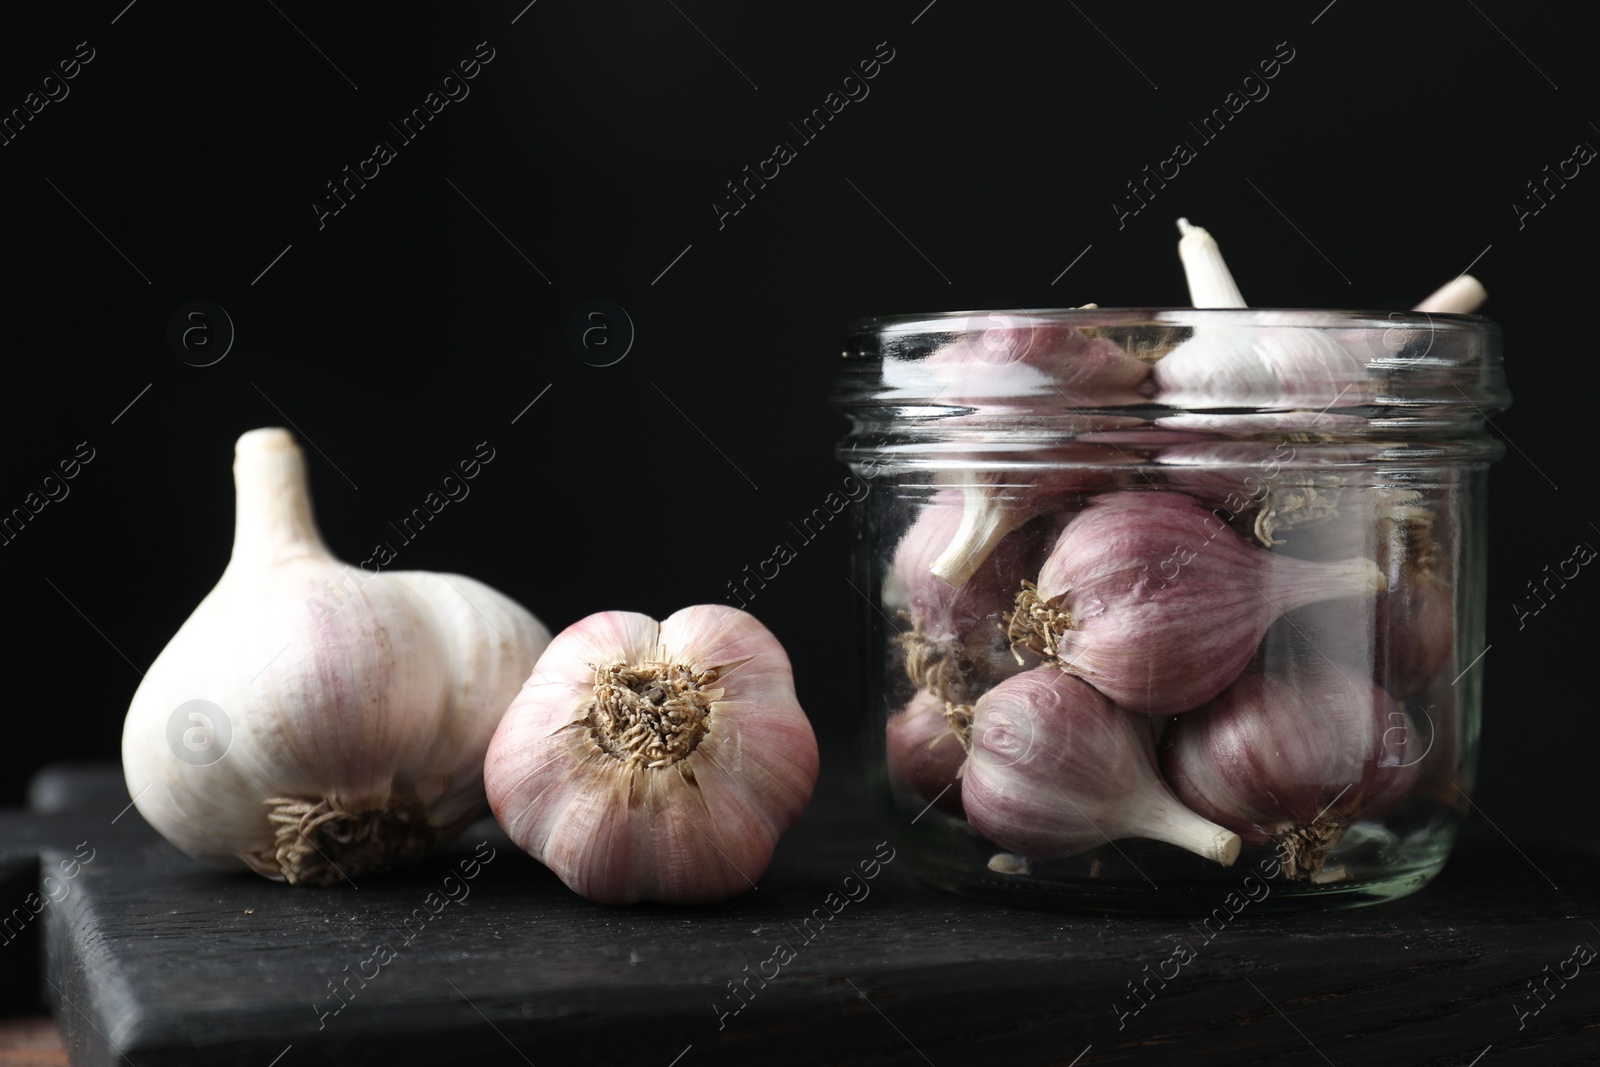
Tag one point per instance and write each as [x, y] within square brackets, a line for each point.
[1293, 754]
[1302, 850]
[938, 665]
[1316, 498]
[651, 760]
[1035, 625]
[652, 713]
[319, 843]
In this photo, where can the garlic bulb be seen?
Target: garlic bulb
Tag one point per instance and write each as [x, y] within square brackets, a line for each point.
[955, 645]
[1242, 364]
[1156, 603]
[1416, 630]
[310, 719]
[926, 745]
[1250, 479]
[1011, 368]
[1248, 365]
[1407, 635]
[1056, 768]
[1292, 757]
[651, 760]
[1027, 357]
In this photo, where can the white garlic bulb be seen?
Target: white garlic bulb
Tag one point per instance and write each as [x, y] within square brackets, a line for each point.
[313, 720]
[1237, 363]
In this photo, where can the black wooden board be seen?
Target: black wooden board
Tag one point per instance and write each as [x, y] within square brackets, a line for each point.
[151, 958]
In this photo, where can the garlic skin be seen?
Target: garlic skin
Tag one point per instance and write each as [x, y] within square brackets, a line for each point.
[1407, 635]
[1152, 600]
[926, 747]
[649, 760]
[357, 706]
[955, 645]
[1029, 358]
[1293, 758]
[1056, 769]
[1223, 366]
[1249, 479]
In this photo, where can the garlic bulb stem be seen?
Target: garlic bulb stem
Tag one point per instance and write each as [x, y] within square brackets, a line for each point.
[1177, 825]
[1055, 769]
[1210, 283]
[273, 521]
[983, 526]
[1462, 296]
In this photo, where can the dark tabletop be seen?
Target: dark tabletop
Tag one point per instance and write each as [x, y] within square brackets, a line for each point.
[149, 957]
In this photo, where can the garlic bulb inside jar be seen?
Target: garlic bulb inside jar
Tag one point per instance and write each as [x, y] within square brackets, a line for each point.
[1149, 598]
[651, 760]
[312, 720]
[1056, 768]
[955, 646]
[1294, 755]
[926, 747]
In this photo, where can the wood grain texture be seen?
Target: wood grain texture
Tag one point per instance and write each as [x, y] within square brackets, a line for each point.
[154, 959]
[34, 1041]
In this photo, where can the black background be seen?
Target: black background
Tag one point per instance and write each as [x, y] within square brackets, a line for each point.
[414, 324]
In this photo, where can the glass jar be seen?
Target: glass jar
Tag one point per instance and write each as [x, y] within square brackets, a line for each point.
[1162, 601]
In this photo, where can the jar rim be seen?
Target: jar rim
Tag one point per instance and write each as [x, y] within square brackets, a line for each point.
[1319, 318]
[1051, 368]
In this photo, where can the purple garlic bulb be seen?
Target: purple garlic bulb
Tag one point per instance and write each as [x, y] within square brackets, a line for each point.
[1056, 768]
[1293, 758]
[1416, 632]
[1408, 634]
[1022, 356]
[927, 745]
[1159, 605]
[1261, 483]
[956, 645]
